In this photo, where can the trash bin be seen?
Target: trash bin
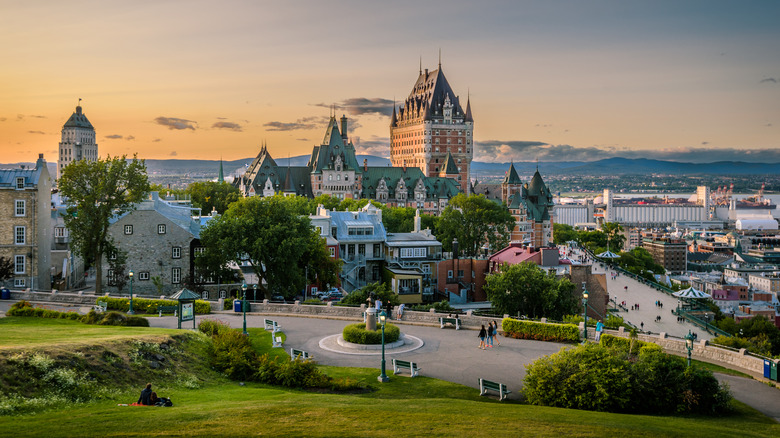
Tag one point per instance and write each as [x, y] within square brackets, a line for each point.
[5, 294]
[237, 306]
[773, 371]
[248, 306]
[767, 368]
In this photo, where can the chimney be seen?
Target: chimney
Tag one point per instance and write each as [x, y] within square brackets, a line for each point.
[344, 127]
[365, 164]
[417, 222]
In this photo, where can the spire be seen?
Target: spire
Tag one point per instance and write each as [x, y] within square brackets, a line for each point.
[511, 175]
[221, 176]
[469, 118]
[420, 67]
[439, 58]
[394, 118]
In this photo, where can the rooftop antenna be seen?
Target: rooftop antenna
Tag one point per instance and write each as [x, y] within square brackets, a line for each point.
[79, 101]
[439, 58]
[420, 64]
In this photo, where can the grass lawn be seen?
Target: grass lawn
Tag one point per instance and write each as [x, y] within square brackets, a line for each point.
[16, 332]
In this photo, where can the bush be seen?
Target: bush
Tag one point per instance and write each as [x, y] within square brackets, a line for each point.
[231, 353]
[357, 334]
[599, 378]
[24, 308]
[624, 344]
[540, 332]
[213, 327]
[292, 374]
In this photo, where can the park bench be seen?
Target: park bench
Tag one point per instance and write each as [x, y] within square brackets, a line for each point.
[487, 385]
[101, 306]
[454, 321]
[277, 340]
[168, 309]
[295, 354]
[272, 325]
[411, 366]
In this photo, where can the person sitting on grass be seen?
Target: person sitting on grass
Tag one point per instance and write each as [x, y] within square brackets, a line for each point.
[159, 401]
[146, 394]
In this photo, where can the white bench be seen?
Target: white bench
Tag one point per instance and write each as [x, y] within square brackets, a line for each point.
[295, 354]
[101, 306]
[277, 341]
[272, 325]
[411, 366]
[454, 321]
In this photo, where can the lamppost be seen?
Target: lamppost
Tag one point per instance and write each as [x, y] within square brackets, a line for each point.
[254, 294]
[130, 274]
[689, 345]
[585, 310]
[243, 306]
[382, 318]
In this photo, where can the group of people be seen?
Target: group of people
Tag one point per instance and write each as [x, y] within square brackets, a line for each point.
[486, 335]
[658, 303]
[635, 306]
[149, 398]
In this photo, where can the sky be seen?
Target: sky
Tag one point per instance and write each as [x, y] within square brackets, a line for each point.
[694, 81]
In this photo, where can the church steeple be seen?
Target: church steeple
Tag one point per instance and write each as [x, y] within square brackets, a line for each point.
[221, 176]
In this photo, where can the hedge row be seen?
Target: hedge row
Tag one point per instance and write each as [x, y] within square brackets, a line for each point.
[540, 332]
[146, 305]
[24, 308]
[357, 334]
[624, 344]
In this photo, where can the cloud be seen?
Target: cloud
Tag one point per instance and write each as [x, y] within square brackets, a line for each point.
[130, 138]
[36, 132]
[38, 117]
[3, 119]
[228, 125]
[379, 146]
[176, 123]
[19, 117]
[356, 106]
[173, 153]
[156, 140]
[772, 80]
[221, 118]
[300, 124]
[303, 139]
[114, 136]
[705, 142]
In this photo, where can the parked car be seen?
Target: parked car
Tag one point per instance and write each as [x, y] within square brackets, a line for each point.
[277, 299]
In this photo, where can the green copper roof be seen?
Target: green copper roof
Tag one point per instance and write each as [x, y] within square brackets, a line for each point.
[450, 168]
[78, 120]
[511, 176]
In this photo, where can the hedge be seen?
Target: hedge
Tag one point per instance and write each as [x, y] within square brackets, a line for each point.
[624, 344]
[146, 305]
[540, 332]
[24, 308]
[357, 334]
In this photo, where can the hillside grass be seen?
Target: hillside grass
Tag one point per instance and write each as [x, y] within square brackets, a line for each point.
[21, 331]
[404, 406]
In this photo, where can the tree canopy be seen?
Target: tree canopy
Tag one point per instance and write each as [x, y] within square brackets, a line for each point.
[96, 191]
[208, 195]
[527, 289]
[475, 221]
[274, 239]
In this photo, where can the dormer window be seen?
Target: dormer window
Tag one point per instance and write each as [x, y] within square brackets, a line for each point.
[20, 183]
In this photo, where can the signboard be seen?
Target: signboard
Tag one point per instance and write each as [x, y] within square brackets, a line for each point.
[187, 311]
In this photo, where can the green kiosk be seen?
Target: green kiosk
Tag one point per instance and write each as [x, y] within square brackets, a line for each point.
[186, 299]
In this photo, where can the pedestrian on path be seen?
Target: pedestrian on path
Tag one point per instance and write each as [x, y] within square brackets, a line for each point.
[401, 311]
[495, 332]
[489, 342]
[599, 329]
[482, 334]
[642, 326]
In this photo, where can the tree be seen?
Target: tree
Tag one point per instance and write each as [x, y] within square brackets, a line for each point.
[210, 195]
[563, 233]
[475, 221]
[117, 263]
[527, 289]
[615, 236]
[380, 290]
[273, 239]
[6, 268]
[96, 191]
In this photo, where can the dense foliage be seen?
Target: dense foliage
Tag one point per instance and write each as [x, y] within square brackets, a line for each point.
[357, 334]
[756, 334]
[537, 331]
[147, 305]
[25, 308]
[526, 289]
[211, 195]
[97, 191]
[597, 378]
[379, 290]
[6, 268]
[476, 222]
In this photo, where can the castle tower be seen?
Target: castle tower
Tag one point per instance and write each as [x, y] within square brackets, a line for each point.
[77, 142]
[431, 124]
[511, 184]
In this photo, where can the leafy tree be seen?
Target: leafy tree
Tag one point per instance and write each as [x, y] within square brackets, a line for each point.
[398, 219]
[640, 262]
[272, 238]
[380, 290]
[95, 192]
[615, 236]
[527, 289]
[475, 221]
[563, 233]
[6, 268]
[210, 195]
[117, 262]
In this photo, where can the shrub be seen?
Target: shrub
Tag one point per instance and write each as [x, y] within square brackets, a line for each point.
[146, 305]
[136, 321]
[357, 334]
[212, 327]
[232, 353]
[623, 344]
[293, 374]
[540, 332]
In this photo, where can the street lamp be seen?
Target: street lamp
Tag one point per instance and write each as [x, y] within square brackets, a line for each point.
[382, 319]
[130, 274]
[689, 345]
[585, 309]
[243, 306]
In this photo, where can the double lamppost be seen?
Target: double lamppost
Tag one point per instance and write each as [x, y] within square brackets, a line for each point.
[243, 306]
[689, 345]
[585, 310]
[130, 274]
[382, 319]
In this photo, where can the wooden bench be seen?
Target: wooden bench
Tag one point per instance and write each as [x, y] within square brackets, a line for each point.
[101, 306]
[295, 354]
[168, 309]
[277, 340]
[272, 325]
[454, 321]
[411, 366]
[487, 385]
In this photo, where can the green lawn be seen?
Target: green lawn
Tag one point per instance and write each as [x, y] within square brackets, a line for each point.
[16, 332]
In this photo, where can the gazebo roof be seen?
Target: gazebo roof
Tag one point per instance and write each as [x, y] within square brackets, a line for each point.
[185, 294]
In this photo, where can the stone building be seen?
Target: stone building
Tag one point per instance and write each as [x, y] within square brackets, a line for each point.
[669, 252]
[160, 239]
[25, 224]
[531, 205]
[77, 141]
[431, 127]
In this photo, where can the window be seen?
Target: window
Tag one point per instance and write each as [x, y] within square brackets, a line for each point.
[332, 251]
[19, 235]
[19, 264]
[377, 250]
[449, 274]
[176, 253]
[362, 249]
[426, 269]
[112, 255]
[128, 229]
[161, 229]
[204, 295]
[18, 282]
[20, 208]
[143, 276]
[460, 273]
[20, 183]
[111, 277]
[222, 294]
[59, 232]
[175, 275]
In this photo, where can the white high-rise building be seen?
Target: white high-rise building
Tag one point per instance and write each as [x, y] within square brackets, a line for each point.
[77, 142]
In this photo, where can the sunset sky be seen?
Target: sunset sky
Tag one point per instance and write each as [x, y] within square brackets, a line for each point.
[549, 80]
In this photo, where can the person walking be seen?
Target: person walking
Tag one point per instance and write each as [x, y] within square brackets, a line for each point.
[482, 334]
[495, 332]
[489, 342]
[599, 329]
[401, 311]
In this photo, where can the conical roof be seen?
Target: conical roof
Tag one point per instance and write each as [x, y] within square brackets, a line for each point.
[450, 168]
[536, 187]
[428, 97]
[511, 175]
[468, 111]
[184, 294]
[78, 120]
